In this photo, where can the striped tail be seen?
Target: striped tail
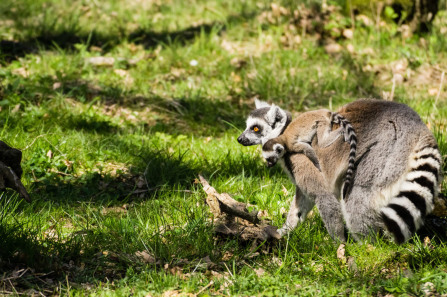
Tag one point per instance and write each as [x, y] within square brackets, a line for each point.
[406, 211]
[350, 137]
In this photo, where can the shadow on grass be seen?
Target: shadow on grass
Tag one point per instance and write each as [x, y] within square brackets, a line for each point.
[152, 172]
[190, 114]
[67, 38]
[32, 261]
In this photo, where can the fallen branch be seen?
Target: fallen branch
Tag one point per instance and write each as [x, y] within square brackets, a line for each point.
[225, 209]
[228, 204]
[11, 171]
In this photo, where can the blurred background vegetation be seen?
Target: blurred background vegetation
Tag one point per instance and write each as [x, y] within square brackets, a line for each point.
[118, 105]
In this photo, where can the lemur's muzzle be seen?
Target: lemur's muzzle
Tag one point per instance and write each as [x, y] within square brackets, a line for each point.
[270, 162]
[243, 140]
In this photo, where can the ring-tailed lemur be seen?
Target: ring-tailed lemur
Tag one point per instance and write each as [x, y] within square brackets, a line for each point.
[397, 170]
[299, 134]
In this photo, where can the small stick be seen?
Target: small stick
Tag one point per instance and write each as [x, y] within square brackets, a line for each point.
[440, 87]
[392, 88]
[204, 288]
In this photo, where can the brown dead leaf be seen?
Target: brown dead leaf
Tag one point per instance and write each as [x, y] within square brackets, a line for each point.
[263, 214]
[350, 48]
[127, 78]
[176, 270]
[284, 190]
[399, 66]
[235, 77]
[368, 51]
[341, 253]
[277, 261]
[50, 154]
[114, 209]
[69, 164]
[259, 271]
[398, 78]
[146, 257]
[57, 85]
[433, 91]
[100, 61]
[283, 211]
[21, 72]
[427, 243]
[177, 293]
[238, 63]
[317, 266]
[96, 49]
[352, 265]
[365, 20]
[333, 48]
[348, 33]
[428, 289]
[290, 40]
[51, 233]
[227, 256]
[16, 108]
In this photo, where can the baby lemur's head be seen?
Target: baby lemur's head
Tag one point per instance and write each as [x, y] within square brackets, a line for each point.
[272, 151]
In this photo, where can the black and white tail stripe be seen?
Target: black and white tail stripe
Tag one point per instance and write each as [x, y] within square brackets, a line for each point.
[350, 137]
[406, 211]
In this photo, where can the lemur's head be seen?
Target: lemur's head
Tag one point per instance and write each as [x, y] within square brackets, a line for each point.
[272, 151]
[264, 123]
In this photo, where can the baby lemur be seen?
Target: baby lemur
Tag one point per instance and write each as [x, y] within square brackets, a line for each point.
[299, 135]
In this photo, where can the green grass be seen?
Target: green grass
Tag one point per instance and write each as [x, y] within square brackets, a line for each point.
[111, 152]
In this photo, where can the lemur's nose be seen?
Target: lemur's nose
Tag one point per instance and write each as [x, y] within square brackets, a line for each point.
[239, 139]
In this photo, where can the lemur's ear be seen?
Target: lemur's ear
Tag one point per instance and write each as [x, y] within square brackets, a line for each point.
[276, 115]
[271, 115]
[261, 104]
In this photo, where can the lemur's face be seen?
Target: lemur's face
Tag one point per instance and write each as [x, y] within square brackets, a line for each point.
[272, 155]
[264, 123]
[257, 128]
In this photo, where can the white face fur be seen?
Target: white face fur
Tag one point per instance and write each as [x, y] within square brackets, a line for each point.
[258, 131]
[264, 123]
[274, 155]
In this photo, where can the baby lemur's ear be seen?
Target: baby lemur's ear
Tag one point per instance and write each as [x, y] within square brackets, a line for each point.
[279, 149]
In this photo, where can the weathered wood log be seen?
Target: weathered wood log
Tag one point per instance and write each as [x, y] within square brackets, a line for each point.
[11, 171]
[225, 209]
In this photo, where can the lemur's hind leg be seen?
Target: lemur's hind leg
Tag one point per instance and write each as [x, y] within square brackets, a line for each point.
[362, 220]
[299, 208]
[313, 187]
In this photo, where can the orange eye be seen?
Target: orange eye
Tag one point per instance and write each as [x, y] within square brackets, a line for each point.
[256, 129]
